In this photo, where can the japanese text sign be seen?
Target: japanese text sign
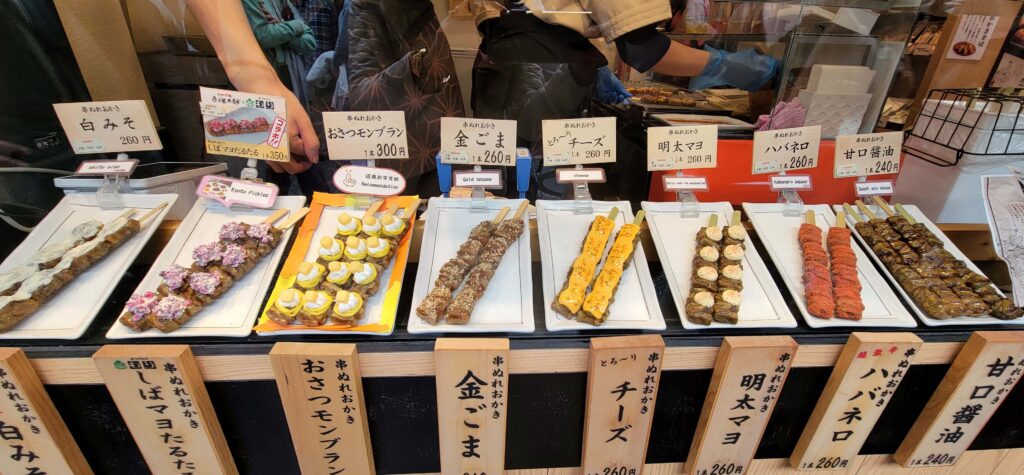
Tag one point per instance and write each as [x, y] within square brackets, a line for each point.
[109, 126]
[973, 33]
[578, 141]
[159, 391]
[682, 147]
[366, 135]
[472, 403]
[786, 149]
[33, 437]
[322, 393]
[865, 377]
[987, 368]
[622, 387]
[478, 141]
[230, 191]
[244, 125]
[372, 181]
[748, 377]
[868, 154]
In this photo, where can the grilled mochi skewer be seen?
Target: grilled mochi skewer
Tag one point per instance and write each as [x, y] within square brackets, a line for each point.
[730, 274]
[433, 307]
[700, 303]
[817, 280]
[602, 293]
[846, 285]
[479, 277]
[581, 273]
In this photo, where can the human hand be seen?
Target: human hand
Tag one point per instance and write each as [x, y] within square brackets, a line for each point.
[302, 140]
[747, 70]
[608, 88]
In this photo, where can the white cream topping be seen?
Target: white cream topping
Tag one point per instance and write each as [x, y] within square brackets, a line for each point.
[366, 276]
[334, 250]
[732, 297]
[295, 301]
[359, 249]
[704, 298]
[348, 305]
[707, 273]
[709, 253]
[371, 228]
[339, 274]
[382, 246]
[733, 272]
[737, 232]
[351, 226]
[17, 274]
[713, 233]
[320, 302]
[733, 252]
[395, 226]
[313, 271]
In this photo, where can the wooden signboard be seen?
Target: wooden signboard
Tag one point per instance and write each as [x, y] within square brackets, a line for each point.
[868, 371]
[472, 401]
[322, 393]
[33, 437]
[748, 377]
[622, 387]
[159, 391]
[985, 371]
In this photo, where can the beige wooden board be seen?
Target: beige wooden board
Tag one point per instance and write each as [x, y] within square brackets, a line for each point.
[322, 394]
[745, 385]
[472, 403]
[159, 391]
[622, 387]
[33, 433]
[866, 375]
[982, 375]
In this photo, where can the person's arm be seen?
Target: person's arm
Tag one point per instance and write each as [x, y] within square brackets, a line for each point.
[304, 44]
[681, 60]
[228, 30]
[271, 35]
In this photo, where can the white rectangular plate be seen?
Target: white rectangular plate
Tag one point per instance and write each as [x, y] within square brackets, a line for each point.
[929, 321]
[507, 306]
[68, 314]
[232, 314]
[561, 232]
[675, 237]
[778, 233]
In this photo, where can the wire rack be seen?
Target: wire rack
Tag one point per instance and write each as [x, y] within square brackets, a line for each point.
[976, 122]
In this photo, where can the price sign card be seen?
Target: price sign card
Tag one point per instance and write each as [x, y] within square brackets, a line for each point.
[483, 178]
[870, 368]
[230, 191]
[107, 167]
[682, 147]
[34, 437]
[868, 154]
[874, 188]
[987, 368]
[786, 149]
[472, 403]
[110, 126]
[684, 183]
[371, 181]
[366, 135]
[478, 141]
[790, 182]
[244, 125]
[749, 374]
[580, 175]
[579, 141]
[622, 386]
[159, 391]
[322, 394]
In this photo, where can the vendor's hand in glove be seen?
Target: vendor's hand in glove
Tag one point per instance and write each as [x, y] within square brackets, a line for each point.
[608, 88]
[747, 70]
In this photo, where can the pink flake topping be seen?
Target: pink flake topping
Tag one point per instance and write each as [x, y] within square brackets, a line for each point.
[171, 307]
[204, 282]
[233, 256]
[261, 232]
[232, 231]
[204, 254]
[141, 305]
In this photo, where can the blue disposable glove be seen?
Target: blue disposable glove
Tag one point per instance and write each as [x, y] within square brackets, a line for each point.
[747, 70]
[608, 88]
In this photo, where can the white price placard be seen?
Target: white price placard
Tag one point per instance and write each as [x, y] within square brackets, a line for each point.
[366, 135]
[110, 126]
[482, 178]
[478, 141]
[579, 141]
[107, 167]
[580, 175]
[685, 183]
[875, 188]
[786, 149]
[868, 154]
[682, 147]
[791, 182]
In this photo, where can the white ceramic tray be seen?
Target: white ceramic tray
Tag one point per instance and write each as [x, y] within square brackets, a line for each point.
[934, 322]
[68, 314]
[233, 314]
[675, 238]
[778, 233]
[561, 232]
[507, 306]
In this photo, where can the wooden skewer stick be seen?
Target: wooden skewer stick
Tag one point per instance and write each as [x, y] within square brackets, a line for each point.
[614, 213]
[713, 221]
[127, 213]
[501, 215]
[864, 209]
[522, 209]
[276, 216]
[408, 210]
[373, 208]
[809, 217]
[294, 218]
[840, 220]
[152, 212]
[392, 208]
[885, 206]
[639, 217]
[903, 212]
[736, 217]
[851, 212]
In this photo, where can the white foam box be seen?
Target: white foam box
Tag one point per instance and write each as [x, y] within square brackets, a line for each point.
[949, 194]
[839, 79]
[837, 114]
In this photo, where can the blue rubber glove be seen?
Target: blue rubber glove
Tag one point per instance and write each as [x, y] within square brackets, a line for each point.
[608, 88]
[747, 70]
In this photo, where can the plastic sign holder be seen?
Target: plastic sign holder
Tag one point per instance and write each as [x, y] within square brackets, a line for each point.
[789, 196]
[580, 179]
[684, 187]
[523, 163]
[108, 195]
[581, 196]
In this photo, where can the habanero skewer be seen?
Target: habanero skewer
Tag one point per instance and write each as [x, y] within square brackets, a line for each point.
[817, 280]
[846, 284]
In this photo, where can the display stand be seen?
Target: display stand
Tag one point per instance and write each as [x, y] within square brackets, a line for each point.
[108, 195]
[523, 160]
[793, 204]
[688, 204]
[583, 203]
